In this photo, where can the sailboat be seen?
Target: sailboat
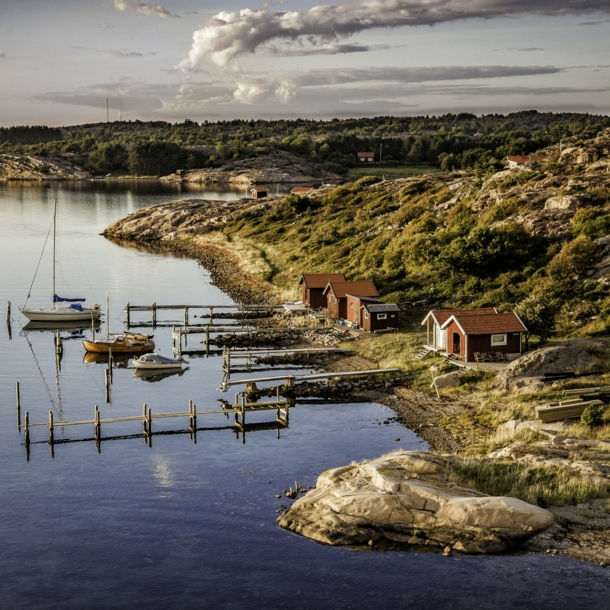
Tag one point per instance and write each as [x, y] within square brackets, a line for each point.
[74, 312]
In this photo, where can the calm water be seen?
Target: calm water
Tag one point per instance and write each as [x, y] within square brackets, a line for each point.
[181, 525]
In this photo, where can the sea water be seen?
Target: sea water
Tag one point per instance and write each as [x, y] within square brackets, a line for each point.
[179, 524]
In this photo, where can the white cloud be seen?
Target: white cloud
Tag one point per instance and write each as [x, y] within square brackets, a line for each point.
[230, 34]
[152, 10]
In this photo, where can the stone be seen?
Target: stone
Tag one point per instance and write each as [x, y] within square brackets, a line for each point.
[567, 202]
[406, 497]
[447, 380]
[526, 372]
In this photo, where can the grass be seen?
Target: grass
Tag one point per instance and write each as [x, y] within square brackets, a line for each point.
[394, 172]
[542, 485]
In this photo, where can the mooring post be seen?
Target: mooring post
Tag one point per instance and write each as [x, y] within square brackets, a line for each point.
[18, 398]
[149, 418]
[194, 423]
[107, 385]
[207, 340]
[186, 317]
[110, 364]
[154, 315]
[144, 421]
[26, 428]
[128, 316]
[96, 422]
[51, 428]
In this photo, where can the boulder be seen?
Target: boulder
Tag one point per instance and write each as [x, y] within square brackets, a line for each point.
[447, 380]
[406, 497]
[527, 370]
[567, 202]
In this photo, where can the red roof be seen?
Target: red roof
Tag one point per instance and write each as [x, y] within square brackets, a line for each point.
[442, 315]
[302, 189]
[320, 280]
[363, 288]
[366, 155]
[488, 324]
[521, 159]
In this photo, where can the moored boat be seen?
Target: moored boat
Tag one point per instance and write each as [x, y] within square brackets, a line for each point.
[156, 361]
[123, 343]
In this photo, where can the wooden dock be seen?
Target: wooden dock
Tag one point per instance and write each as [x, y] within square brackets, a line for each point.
[239, 408]
[154, 308]
[290, 380]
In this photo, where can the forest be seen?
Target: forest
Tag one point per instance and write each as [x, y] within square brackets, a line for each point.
[450, 141]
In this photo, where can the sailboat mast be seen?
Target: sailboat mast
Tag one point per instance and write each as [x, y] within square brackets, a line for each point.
[54, 238]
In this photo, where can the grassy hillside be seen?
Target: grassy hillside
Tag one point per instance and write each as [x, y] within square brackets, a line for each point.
[532, 239]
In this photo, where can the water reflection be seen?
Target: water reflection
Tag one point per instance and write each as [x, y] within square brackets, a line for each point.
[151, 376]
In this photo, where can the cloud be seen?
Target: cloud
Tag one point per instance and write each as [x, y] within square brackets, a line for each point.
[598, 22]
[2, 55]
[528, 49]
[152, 10]
[230, 34]
[322, 49]
[132, 54]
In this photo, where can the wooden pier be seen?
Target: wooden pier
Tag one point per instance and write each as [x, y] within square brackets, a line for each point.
[239, 408]
[154, 308]
[290, 380]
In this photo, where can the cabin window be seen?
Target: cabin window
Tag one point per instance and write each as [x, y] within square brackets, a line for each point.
[498, 339]
[366, 315]
[382, 316]
[352, 304]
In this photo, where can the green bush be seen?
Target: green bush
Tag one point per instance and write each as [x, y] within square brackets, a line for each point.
[575, 258]
[591, 222]
[593, 416]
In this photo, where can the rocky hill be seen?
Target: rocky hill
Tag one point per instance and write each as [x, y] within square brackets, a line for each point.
[278, 166]
[28, 167]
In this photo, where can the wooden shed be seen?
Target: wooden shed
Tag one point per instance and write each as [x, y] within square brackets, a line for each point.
[366, 157]
[436, 337]
[313, 285]
[469, 335]
[336, 295]
[377, 317]
[354, 303]
[259, 193]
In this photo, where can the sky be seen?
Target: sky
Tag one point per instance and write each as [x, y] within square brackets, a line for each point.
[60, 60]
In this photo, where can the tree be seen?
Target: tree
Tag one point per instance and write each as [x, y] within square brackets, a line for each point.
[538, 315]
[155, 158]
[575, 258]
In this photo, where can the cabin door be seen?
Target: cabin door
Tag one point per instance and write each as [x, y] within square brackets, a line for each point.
[456, 343]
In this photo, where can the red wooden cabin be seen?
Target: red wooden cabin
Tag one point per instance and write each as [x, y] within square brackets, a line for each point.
[313, 285]
[336, 295]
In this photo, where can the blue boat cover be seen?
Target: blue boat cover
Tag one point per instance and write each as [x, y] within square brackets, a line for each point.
[57, 299]
[76, 306]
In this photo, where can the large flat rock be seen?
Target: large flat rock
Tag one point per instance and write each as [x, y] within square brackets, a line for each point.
[406, 497]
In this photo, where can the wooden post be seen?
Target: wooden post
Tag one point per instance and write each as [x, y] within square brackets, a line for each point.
[194, 423]
[110, 364]
[144, 420]
[186, 317]
[154, 315]
[26, 428]
[107, 385]
[8, 312]
[128, 316]
[149, 419]
[18, 398]
[51, 428]
[96, 423]
[207, 340]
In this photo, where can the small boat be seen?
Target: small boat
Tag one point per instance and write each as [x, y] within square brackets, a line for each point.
[74, 312]
[122, 343]
[156, 361]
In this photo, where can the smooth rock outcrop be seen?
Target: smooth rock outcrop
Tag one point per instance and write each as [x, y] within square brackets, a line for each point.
[406, 497]
[447, 380]
[28, 167]
[526, 372]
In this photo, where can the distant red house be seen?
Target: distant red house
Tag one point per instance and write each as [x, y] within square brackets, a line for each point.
[336, 295]
[313, 285]
[376, 317]
[468, 335]
[259, 193]
[366, 157]
[301, 190]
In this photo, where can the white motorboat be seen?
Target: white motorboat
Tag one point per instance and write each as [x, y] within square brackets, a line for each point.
[156, 361]
[74, 312]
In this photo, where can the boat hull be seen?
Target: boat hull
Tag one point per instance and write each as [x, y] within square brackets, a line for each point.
[117, 348]
[60, 315]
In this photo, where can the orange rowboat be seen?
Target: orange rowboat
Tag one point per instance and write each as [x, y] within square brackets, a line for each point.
[125, 343]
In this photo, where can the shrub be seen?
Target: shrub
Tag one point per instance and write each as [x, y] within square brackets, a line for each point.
[574, 259]
[593, 416]
[591, 222]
